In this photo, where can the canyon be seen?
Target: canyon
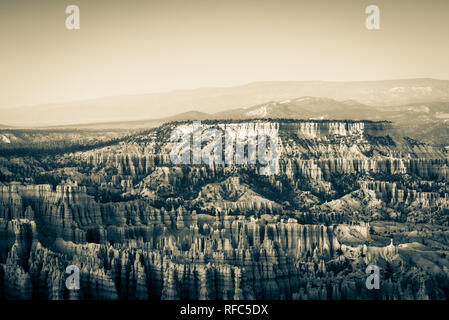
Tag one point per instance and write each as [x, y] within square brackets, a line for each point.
[347, 194]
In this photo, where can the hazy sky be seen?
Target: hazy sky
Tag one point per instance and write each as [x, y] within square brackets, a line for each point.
[143, 46]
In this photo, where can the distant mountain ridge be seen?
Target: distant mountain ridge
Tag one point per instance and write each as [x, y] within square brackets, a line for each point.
[214, 100]
[427, 122]
[303, 108]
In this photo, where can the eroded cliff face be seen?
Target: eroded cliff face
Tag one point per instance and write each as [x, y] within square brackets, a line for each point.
[139, 227]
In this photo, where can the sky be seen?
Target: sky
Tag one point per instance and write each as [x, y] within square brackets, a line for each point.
[145, 46]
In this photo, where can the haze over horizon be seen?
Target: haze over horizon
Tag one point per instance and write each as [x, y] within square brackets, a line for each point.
[390, 93]
[153, 46]
[175, 90]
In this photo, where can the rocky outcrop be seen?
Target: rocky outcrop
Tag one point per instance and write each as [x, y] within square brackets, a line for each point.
[140, 227]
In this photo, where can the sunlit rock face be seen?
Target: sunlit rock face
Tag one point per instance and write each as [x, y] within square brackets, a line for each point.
[347, 194]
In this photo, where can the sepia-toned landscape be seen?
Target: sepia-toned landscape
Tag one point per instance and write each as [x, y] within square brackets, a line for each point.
[238, 150]
[357, 185]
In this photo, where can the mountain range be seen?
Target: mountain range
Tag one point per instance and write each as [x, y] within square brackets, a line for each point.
[351, 96]
[426, 122]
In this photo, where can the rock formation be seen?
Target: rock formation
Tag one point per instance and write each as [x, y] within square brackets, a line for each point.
[140, 227]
